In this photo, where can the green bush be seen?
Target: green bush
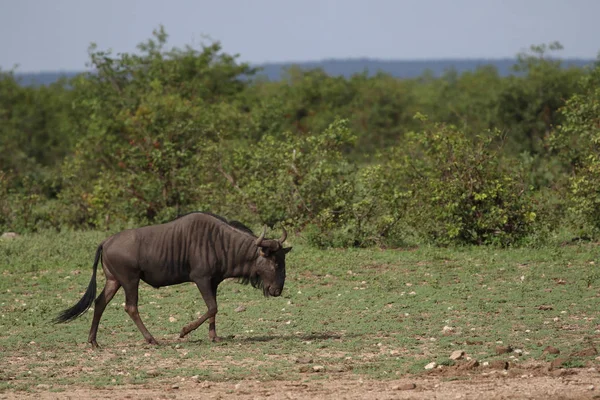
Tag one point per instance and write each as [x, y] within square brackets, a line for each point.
[155, 124]
[291, 179]
[23, 209]
[577, 140]
[342, 161]
[457, 190]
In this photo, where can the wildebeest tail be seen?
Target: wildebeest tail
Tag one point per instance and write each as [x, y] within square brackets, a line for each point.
[86, 301]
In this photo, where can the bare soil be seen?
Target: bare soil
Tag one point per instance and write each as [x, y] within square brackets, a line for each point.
[529, 382]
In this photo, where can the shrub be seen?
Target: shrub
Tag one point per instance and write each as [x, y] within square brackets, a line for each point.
[458, 190]
[577, 140]
[291, 179]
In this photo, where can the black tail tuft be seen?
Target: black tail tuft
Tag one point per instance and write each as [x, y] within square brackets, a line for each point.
[86, 301]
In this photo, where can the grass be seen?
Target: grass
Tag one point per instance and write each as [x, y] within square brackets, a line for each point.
[364, 313]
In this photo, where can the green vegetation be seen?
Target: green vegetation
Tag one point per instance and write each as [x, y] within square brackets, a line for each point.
[359, 312]
[368, 160]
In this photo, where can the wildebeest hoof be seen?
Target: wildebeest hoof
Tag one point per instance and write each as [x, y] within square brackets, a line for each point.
[152, 341]
[216, 339]
[94, 344]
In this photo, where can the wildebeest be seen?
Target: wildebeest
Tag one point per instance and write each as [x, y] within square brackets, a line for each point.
[198, 247]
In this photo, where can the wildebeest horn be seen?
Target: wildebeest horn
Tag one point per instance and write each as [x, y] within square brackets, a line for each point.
[262, 236]
[283, 236]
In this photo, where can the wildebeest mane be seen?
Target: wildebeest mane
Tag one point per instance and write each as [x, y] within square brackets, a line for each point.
[240, 226]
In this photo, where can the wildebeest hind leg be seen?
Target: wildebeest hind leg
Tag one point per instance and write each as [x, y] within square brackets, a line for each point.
[212, 327]
[110, 288]
[131, 306]
[210, 298]
[212, 330]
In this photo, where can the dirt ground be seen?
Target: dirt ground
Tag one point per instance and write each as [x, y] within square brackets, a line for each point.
[530, 383]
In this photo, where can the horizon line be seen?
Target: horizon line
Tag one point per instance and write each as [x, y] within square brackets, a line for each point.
[333, 59]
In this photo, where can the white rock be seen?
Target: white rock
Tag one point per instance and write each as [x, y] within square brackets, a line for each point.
[431, 365]
[457, 355]
[518, 352]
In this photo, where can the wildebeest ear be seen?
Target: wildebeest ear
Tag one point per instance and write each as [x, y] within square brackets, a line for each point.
[286, 250]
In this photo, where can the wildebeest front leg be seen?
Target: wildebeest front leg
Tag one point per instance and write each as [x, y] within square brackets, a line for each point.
[210, 298]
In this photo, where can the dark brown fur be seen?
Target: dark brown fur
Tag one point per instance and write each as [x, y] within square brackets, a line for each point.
[198, 247]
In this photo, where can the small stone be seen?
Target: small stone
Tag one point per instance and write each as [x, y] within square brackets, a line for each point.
[175, 386]
[518, 352]
[591, 387]
[304, 360]
[172, 319]
[43, 386]
[318, 368]
[457, 355]
[447, 329]
[240, 309]
[9, 235]
[337, 368]
[431, 365]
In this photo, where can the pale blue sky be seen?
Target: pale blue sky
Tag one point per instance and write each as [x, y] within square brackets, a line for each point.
[54, 35]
